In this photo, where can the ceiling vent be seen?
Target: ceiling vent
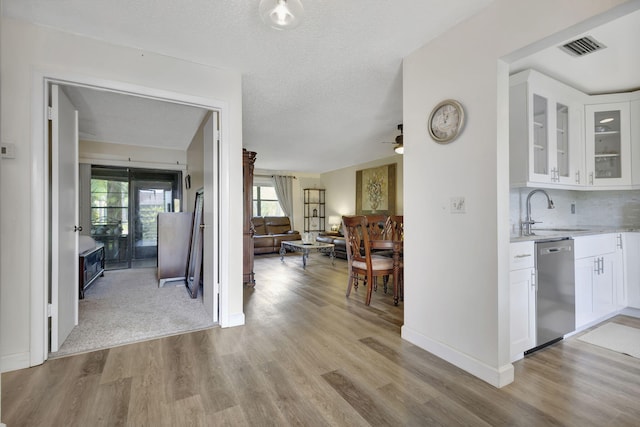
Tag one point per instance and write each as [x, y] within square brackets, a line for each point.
[583, 46]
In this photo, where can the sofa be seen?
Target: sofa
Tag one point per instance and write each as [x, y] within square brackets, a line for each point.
[337, 239]
[270, 231]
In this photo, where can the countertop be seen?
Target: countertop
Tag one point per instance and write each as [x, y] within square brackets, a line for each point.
[573, 231]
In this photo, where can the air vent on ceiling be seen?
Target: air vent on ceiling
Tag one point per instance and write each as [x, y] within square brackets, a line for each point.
[582, 46]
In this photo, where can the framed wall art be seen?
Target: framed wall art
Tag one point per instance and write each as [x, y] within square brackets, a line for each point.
[376, 190]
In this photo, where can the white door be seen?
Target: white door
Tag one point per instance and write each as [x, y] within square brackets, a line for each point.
[211, 236]
[64, 217]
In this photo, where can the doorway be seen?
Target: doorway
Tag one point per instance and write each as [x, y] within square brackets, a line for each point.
[147, 193]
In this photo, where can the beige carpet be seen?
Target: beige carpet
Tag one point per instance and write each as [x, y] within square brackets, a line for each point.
[616, 337]
[127, 306]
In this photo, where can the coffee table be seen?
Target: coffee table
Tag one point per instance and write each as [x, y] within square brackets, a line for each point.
[305, 248]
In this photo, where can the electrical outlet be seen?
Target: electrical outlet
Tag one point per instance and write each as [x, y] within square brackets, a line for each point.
[458, 205]
[7, 150]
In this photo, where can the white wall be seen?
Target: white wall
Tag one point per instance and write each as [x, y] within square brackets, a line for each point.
[28, 51]
[1, 62]
[104, 153]
[341, 186]
[456, 270]
[195, 166]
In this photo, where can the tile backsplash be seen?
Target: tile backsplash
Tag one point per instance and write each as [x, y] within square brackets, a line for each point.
[592, 208]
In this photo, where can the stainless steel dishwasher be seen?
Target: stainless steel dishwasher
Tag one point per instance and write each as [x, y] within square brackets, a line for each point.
[555, 296]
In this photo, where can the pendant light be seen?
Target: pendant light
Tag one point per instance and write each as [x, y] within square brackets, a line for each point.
[281, 14]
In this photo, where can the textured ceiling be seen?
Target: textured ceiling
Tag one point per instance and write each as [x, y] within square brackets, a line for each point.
[325, 93]
[125, 119]
[613, 69]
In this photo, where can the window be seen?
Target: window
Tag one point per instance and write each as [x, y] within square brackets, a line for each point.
[109, 207]
[265, 201]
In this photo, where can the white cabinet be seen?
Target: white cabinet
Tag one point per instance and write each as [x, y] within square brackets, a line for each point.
[522, 298]
[608, 144]
[599, 276]
[632, 269]
[545, 131]
[634, 107]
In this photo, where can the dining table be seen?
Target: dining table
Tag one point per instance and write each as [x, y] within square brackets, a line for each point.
[396, 246]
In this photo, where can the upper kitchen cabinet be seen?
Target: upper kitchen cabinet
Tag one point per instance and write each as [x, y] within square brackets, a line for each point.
[608, 144]
[634, 107]
[545, 132]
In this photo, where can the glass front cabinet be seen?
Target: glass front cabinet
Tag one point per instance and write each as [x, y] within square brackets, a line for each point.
[608, 144]
[546, 131]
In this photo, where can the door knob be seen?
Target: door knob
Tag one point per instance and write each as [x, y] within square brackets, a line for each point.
[77, 228]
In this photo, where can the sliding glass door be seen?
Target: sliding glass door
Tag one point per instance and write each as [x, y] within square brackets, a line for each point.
[110, 214]
[124, 208]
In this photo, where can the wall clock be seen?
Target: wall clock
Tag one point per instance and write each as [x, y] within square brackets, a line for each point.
[446, 121]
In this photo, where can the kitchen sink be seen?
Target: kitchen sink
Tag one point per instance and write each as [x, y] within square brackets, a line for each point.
[556, 231]
[560, 229]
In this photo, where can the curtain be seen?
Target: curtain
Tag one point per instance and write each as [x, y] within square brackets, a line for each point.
[284, 191]
[84, 198]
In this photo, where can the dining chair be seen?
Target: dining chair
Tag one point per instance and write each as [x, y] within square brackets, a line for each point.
[394, 230]
[359, 257]
[375, 226]
[394, 227]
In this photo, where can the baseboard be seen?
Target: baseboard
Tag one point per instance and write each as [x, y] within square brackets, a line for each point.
[234, 320]
[497, 377]
[13, 362]
[594, 322]
[631, 311]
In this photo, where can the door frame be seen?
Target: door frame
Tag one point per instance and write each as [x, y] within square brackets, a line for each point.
[39, 238]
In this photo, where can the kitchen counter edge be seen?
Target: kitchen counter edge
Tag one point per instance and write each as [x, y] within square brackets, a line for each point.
[586, 231]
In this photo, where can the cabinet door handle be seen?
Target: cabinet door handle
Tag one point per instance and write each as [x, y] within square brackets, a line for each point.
[577, 177]
[522, 256]
[533, 278]
[601, 265]
[591, 178]
[596, 267]
[619, 237]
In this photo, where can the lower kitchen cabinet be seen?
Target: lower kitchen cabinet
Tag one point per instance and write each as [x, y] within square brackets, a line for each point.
[522, 298]
[599, 278]
[632, 269]
[523, 311]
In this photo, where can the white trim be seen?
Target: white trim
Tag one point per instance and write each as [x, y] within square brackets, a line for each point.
[227, 159]
[13, 362]
[39, 240]
[234, 320]
[497, 377]
[39, 185]
[132, 164]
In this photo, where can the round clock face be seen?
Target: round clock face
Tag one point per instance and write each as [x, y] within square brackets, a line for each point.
[446, 121]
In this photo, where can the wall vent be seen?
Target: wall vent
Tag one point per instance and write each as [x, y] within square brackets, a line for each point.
[582, 46]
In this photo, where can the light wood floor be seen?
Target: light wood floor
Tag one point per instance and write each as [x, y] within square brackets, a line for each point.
[309, 356]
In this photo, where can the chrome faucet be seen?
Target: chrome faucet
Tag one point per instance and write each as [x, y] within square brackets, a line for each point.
[525, 226]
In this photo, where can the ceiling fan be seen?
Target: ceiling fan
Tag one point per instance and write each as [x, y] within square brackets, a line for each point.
[399, 148]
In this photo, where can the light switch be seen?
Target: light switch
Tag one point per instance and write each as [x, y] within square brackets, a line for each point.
[458, 205]
[7, 150]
